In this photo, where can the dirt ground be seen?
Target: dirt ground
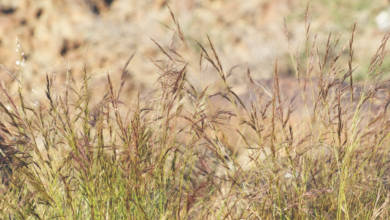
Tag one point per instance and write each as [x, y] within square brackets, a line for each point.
[60, 36]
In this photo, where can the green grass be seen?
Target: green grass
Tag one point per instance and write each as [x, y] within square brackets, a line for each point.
[176, 154]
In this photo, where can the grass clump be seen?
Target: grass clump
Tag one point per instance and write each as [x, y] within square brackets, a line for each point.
[312, 146]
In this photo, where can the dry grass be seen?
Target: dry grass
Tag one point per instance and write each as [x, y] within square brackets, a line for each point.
[315, 146]
[58, 36]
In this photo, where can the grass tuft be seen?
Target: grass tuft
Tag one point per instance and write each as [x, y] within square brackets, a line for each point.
[304, 147]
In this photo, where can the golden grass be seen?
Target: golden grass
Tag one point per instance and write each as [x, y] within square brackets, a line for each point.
[316, 149]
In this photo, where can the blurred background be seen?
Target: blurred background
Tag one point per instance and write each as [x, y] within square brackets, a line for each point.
[39, 37]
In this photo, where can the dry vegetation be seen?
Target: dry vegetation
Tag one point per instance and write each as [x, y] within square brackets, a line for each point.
[313, 145]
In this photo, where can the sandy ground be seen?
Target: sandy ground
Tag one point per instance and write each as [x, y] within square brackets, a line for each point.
[56, 37]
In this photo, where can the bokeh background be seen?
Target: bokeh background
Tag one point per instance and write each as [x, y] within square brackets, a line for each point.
[39, 37]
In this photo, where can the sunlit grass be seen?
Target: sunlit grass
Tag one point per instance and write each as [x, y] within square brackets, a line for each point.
[314, 146]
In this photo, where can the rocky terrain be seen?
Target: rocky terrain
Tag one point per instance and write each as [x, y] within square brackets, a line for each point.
[59, 37]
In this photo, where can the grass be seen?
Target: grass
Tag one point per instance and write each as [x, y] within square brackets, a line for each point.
[318, 150]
